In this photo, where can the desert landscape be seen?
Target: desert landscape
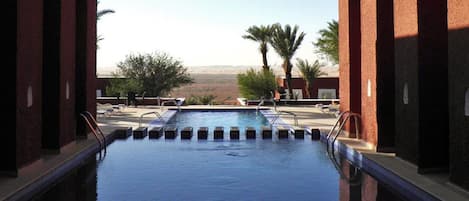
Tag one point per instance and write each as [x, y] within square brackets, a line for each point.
[221, 82]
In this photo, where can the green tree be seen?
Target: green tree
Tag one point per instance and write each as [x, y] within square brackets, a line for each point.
[328, 42]
[153, 74]
[256, 84]
[119, 86]
[285, 42]
[262, 35]
[310, 72]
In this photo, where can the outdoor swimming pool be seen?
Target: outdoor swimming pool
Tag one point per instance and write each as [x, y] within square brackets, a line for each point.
[177, 169]
[160, 169]
[212, 119]
[212, 170]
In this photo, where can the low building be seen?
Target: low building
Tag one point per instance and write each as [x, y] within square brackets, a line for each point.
[322, 88]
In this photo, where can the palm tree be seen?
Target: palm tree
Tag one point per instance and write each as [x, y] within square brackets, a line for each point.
[262, 35]
[99, 14]
[328, 42]
[103, 12]
[285, 42]
[309, 72]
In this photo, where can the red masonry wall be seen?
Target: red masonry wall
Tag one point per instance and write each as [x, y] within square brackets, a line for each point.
[91, 57]
[458, 68]
[344, 55]
[368, 71]
[67, 72]
[319, 83]
[406, 62]
[349, 58]
[29, 71]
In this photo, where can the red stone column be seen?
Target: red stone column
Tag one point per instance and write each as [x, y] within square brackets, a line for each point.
[368, 70]
[91, 57]
[85, 72]
[406, 62]
[377, 74]
[433, 77]
[28, 82]
[349, 57]
[421, 70]
[67, 72]
[458, 74]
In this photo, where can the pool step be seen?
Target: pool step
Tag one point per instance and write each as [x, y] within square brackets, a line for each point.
[282, 132]
[315, 134]
[140, 132]
[250, 133]
[170, 132]
[234, 133]
[298, 132]
[266, 132]
[123, 133]
[202, 133]
[218, 132]
[186, 133]
[155, 132]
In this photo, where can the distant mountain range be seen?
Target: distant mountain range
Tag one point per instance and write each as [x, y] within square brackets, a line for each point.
[332, 71]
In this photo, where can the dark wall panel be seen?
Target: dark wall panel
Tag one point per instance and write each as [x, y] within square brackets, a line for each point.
[433, 77]
[8, 142]
[406, 83]
[51, 75]
[28, 87]
[458, 74]
[385, 76]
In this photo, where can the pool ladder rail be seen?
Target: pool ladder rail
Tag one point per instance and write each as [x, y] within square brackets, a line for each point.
[277, 116]
[355, 178]
[343, 118]
[154, 112]
[272, 99]
[97, 132]
[175, 102]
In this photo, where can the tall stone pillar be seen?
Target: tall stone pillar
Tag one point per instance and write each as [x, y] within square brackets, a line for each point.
[421, 83]
[349, 57]
[458, 77]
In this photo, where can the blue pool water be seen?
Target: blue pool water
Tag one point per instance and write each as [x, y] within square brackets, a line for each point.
[159, 169]
[212, 119]
[217, 170]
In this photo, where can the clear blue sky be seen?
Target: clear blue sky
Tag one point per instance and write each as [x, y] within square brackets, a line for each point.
[205, 32]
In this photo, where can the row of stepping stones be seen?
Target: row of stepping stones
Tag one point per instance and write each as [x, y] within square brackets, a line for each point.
[171, 132]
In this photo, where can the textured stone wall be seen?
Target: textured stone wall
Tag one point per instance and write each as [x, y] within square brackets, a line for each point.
[368, 70]
[406, 65]
[349, 58]
[458, 74]
[28, 81]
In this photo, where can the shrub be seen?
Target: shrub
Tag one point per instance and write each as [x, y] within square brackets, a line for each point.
[257, 84]
[201, 100]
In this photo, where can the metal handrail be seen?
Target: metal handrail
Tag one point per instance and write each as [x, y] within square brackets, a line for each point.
[95, 133]
[98, 129]
[263, 101]
[154, 112]
[354, 179]
[341, 119]
[277, 116]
